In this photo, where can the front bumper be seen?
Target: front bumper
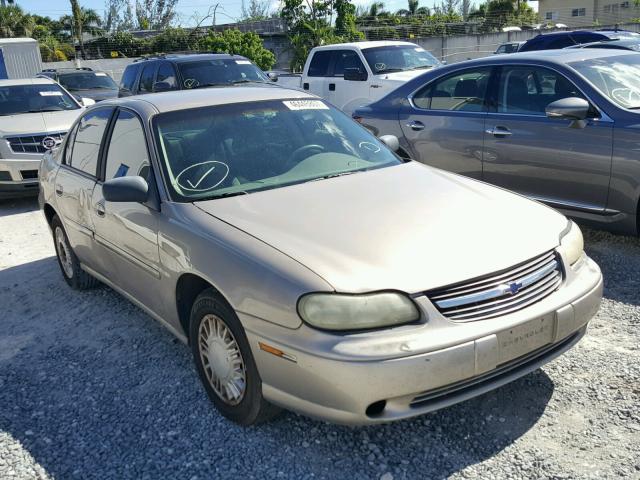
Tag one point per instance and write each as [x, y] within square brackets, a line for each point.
[18, 177]
[388, 375]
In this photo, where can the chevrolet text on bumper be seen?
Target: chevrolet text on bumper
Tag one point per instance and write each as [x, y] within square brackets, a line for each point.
[305, 264]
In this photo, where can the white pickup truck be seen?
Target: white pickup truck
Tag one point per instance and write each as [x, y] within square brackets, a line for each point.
[350, 75]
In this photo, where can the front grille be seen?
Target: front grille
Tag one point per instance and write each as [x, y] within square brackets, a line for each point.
[5, 176]
[500, 293]
[32, 143]
[29, 174]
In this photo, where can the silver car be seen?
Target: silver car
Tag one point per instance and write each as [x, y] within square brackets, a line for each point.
[306, 265]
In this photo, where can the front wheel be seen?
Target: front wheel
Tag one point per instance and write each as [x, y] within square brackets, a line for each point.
[224, 362]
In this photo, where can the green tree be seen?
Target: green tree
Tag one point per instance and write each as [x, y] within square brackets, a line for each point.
[257, 10]
[346, 20]
[14, 22]
[155, 14]
[247, 44]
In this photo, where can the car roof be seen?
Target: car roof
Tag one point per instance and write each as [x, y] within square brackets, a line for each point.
[27, 81]
[364, 45]
[559, 56]
[187, 57]
[568, 32]
[204, 97]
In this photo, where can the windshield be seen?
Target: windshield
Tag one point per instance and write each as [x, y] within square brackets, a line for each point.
[17, 99]
[398, 58]
[235, 149]
[203, 73]
[618, 78]
[87, 81]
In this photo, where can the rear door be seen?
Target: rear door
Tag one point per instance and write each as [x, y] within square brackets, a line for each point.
[76, 179]
[317, 79]
[128, 232]
[444, 121]
[547, 159]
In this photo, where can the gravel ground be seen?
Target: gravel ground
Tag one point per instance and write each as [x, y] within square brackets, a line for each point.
[90, 387]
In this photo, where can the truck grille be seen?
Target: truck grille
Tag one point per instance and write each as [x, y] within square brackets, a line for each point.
[500, 293]
[32, 143]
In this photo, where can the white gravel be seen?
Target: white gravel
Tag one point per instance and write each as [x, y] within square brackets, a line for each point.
[90, 387]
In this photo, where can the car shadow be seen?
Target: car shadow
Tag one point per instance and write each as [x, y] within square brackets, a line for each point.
[617, 256]
[91, 387]
[14, 206]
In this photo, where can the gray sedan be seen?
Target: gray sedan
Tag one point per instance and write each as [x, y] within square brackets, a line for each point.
[307, 266]
[560, 126]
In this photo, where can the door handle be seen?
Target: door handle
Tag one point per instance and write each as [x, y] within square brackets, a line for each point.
[100, 209]
[332, 87]
[59, 190]
[416, 125]
[498, 132]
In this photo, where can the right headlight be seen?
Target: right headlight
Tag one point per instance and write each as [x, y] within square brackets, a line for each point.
[572, 243]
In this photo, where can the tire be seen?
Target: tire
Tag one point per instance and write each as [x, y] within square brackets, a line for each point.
[69, 264]
[224, 362]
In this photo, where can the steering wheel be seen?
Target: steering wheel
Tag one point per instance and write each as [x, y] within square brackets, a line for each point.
[303, 152]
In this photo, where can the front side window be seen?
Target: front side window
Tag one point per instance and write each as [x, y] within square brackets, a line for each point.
[319, 66]
[461, 91]
[398, 58]
[236, 149]
[128, 78]
[127, 152]
[226, 71]
[617, 78]
[167, 74]
[347, 59]
[87, 81]
[88, 137]
[146, 79]
[18, 99]
[528, 90]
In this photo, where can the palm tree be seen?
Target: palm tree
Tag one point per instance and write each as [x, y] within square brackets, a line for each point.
[82, 20]
[375, 9]
[14, 22]
[413, 8]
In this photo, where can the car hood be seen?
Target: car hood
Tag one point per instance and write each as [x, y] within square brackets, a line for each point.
[32, 123]
[407, 227]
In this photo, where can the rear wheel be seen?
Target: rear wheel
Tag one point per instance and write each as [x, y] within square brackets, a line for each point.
[67, 260]
[224, 362]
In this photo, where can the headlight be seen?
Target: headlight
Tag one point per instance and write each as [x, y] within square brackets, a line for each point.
[572, 243]
[357, 312]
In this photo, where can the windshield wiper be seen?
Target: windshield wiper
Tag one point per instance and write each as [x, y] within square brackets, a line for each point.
[389, 70]
[228, 194]
[422, 67]
[45, 110]
[334, 175]
[244, 80]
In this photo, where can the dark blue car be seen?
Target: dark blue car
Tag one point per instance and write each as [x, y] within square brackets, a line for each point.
[560, 126]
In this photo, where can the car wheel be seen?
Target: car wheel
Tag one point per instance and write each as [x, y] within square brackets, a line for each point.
[224, 362]
[67, 260]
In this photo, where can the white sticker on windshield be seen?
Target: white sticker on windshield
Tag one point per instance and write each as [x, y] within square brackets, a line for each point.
[243, 62]
[305, 105]
[101, 74]
[50, 93]
[419, 49]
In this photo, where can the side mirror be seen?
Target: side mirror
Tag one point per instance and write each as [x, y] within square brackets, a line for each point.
[126, 189]
[273, 76]
[570, 108]
[162, 87]
[87, 102]
[391, 141]
[355, 75]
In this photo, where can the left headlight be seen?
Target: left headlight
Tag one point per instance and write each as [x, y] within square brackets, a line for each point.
[572, 243]
[333, 311]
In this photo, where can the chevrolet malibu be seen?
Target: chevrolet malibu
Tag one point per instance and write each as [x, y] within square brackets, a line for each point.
[306, 265]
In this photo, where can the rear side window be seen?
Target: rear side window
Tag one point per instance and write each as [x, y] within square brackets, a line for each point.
[347, 59]
[128, 78]
[127, 153]
[319, 66]
[461, 91]
[86, 145]
[146, 79]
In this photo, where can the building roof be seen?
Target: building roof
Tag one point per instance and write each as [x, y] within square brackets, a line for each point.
[17, 40]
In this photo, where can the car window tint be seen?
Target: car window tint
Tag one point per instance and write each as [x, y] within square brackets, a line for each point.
[146, 79]
[528, 90]
[69, 145]
[167, 74]
[86, 146]
[460, 91]
[347, 59]
[128, 78]
[319, 65]
[559, 42]
[127, 152]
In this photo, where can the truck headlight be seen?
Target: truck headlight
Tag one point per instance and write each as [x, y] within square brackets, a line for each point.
[333, 311]
[572, 243]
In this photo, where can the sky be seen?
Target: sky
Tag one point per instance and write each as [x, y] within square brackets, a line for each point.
[188, 10]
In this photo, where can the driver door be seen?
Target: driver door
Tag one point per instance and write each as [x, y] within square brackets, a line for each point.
[128, 232]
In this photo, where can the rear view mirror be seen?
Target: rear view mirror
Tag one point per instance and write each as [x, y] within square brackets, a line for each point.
[355, 75]
[87, 102]
[570, 108]
[126, 189]
[391, 141]
[273, 76]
